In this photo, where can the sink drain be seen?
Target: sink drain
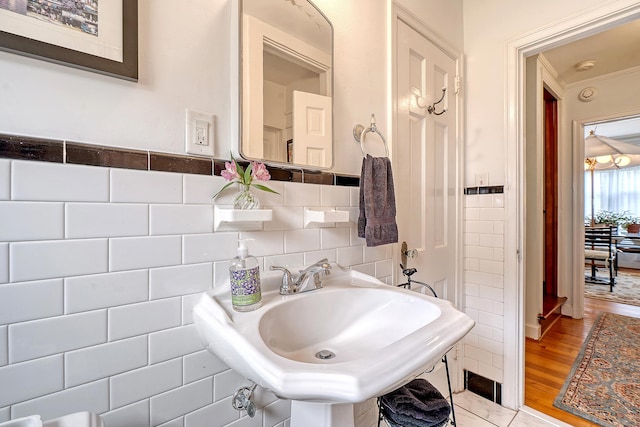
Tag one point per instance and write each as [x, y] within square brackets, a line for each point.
[325, 354]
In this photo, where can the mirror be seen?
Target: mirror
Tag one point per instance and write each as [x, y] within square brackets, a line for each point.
[286, 63]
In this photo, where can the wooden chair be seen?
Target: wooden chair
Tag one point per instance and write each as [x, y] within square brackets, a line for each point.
[600, 249]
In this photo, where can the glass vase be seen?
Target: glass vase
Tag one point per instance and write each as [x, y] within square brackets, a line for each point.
[245, 199]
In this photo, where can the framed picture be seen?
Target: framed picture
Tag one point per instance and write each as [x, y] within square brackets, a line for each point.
[94, 35]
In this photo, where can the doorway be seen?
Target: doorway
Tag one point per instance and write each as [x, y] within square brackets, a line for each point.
[518, 51]
[550, 195]
[552, 301]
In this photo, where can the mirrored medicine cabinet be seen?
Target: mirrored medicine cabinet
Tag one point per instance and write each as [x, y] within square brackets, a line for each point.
[286, 75]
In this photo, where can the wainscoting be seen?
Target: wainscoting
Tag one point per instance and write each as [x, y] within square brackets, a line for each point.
[101, 266]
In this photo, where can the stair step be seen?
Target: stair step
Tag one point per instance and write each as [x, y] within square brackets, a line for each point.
[551, 305]
[550, 312]
[547, 323]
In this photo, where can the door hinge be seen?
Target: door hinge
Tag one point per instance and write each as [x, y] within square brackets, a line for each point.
[458, 84]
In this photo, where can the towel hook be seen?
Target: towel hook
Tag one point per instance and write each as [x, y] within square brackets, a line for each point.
[432, 108]
[359, 132]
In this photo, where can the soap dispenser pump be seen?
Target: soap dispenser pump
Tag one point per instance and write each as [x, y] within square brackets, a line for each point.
[244, 276]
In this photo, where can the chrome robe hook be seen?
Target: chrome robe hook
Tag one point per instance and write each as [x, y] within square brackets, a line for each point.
[432, 108]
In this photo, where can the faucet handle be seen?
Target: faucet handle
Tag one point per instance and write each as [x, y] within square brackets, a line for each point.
[287, 279]
[326, 268]
[323, 264]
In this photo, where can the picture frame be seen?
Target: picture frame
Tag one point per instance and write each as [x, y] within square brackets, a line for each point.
[126, 68]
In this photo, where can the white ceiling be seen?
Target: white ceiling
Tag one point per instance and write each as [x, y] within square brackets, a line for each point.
[299, 18]
[623, 130]
[613, 50]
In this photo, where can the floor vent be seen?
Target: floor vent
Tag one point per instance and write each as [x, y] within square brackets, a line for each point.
[483, 387]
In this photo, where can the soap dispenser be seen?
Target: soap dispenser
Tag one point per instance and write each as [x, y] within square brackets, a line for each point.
[244, 276]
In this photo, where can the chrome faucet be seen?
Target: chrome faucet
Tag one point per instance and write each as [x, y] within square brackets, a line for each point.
[291, 286]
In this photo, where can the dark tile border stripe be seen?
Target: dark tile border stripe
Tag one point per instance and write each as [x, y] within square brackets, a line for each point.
[181, 164]
[496, 189]
[50, 150]
[95, 155]
[348, 181]
[26, 148]
[317, 177]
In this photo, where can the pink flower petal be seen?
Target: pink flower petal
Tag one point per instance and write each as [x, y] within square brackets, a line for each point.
[229, 173]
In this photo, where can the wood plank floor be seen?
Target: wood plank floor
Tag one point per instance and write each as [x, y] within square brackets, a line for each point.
[548, 362]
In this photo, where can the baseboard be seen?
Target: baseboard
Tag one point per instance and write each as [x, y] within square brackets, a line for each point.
[567, 310]
[532, 331]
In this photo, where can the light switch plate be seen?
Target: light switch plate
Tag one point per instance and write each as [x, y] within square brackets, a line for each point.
[482, 179]
[200, 131]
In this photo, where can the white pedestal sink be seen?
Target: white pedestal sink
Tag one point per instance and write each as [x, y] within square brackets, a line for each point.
[311, 414]
[354, 339]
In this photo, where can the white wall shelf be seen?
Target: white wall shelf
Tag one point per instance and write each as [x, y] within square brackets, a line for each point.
[324, 216]
[226, 218]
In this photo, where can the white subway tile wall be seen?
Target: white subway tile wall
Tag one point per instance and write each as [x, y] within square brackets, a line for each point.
[87, 220]
[136, 414]
[5, 179]
[100, 269]
[174, 403]
[133, 186]
[56, 258]
[201, 364]
[484, 284]
[44, 337]
[83, 293]
[45, 300]
[31, 221]
[31, 379]
[4, 262]
[101, 361]
[334, 196]
[3, 346]
[92, 397]
[41, 181]
[131, 253]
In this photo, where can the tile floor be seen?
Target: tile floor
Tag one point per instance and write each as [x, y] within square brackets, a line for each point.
[475, 411]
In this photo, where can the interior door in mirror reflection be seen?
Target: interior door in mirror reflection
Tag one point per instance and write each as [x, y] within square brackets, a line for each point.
[311, 129]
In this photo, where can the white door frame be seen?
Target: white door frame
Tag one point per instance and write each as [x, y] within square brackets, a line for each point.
[563, 32]
[400, 13]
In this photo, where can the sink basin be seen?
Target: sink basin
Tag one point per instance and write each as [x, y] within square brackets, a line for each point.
[354, 339]
[350, 322]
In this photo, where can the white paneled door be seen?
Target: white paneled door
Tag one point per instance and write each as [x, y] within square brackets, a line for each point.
[427, 161]
[312, 122]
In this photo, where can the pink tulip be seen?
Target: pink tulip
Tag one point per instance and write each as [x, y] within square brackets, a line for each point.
[229, 173]
[260, 172]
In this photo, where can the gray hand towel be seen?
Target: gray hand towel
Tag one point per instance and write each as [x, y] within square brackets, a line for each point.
[362, 217]
[400, 420]
[377, 219]
[418, 403]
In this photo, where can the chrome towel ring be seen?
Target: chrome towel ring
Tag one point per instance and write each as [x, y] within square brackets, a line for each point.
[359, 133]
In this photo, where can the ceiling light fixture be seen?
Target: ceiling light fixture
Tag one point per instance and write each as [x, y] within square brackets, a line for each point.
[585, 65]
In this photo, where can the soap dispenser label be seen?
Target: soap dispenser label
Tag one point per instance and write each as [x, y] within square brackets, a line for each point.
[245, 286]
